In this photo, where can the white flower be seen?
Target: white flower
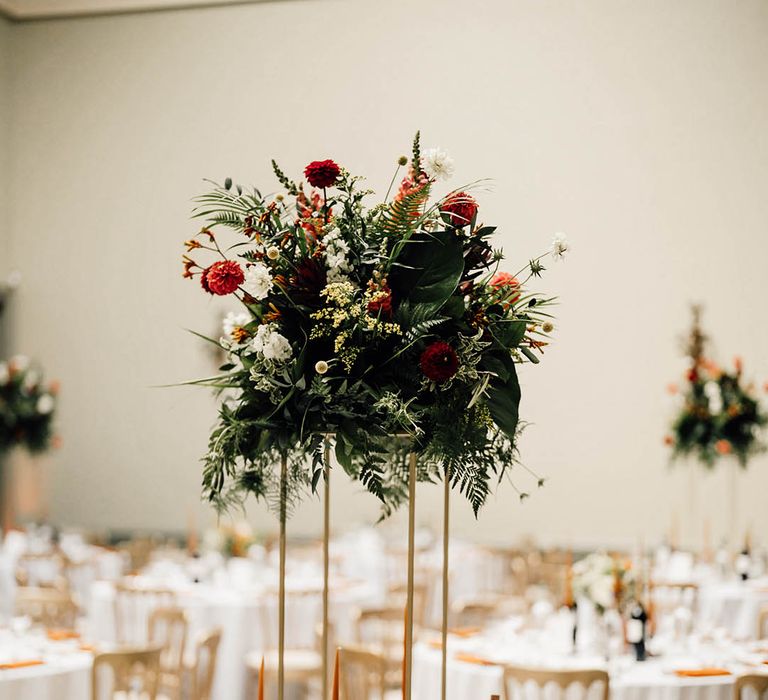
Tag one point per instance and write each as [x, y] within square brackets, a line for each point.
[277, 348]
[437, 164]
[258, 281]
[19, 362]
[234, 320]
[321, 366]
[45, 404]
[712, 392]
[271, 344]
[560, 246]
[31, 380]
[5, 373]
[273, 253]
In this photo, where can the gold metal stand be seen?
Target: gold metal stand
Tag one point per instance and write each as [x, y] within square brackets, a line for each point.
[446, 535]
[281, 603]
[408, 656]
[326, 557]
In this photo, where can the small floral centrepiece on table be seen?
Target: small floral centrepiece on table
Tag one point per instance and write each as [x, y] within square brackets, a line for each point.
[27, 405]
[720, 415]
[605, 581]
[391, 328]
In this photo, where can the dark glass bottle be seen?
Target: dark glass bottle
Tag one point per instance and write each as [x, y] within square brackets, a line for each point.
[637, 626]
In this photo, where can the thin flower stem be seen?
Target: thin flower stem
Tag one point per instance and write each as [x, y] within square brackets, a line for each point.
[392, 182]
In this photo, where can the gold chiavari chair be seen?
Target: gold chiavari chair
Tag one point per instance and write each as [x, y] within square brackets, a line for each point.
[381, 630]
[520, 677]
[668, 596]
[756, 682]
[362, 674]
[132, 608]
[302, 664]
[129, 674]
[44, 569]
[762, 624]
[48, 607]
[168, 628]
[204, 667]
[474, 613]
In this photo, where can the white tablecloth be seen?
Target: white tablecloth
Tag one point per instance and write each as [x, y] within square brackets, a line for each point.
[733, 606]
[63, 676]
[651, 680]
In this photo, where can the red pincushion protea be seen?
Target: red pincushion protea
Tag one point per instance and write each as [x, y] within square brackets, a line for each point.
[222, 278]
[461, 207]
[322, 173]
[439, 362]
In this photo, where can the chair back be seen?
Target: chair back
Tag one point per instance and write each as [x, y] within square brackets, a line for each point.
[48, 607]
[362, 674]
[517, 678]
[133, 607]
[206, 652]
[44, 569]
[762, 624]
[756, 682]
[168, 629]
[131, 674]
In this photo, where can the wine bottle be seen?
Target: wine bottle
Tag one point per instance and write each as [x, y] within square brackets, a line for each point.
[636, 630]
[743, 564]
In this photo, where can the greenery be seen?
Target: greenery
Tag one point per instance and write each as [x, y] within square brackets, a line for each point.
[384, 330]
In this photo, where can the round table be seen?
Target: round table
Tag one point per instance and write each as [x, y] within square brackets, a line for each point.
[242, 615]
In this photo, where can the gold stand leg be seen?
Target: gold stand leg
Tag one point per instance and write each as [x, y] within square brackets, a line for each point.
[326, 558]
[446, 534]
[281, 601]
[408, 660]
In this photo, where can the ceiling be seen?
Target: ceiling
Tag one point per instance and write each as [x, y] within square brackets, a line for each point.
[27, 10]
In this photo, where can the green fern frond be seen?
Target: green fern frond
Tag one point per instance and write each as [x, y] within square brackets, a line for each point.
[402, 215]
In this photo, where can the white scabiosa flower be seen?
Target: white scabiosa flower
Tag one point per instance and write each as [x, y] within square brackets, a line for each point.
[234, 320]
[273, 253]
[560, 246]
[437, 164]
[45, 404]
[258, 281]
[714, 397]
[321, 366]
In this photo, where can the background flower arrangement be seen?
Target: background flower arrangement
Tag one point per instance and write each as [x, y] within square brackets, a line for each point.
[720, 414]
[391, 328]
[604, 581]
[27, 406]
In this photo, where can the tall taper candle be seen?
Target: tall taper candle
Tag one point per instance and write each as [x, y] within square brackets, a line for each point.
[261, 680]
[336, 669]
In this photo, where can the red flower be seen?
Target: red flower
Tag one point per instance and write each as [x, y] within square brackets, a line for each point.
[693, 375]
[669, 440]
[322, 173]
[439, 362]
[222, 278]
[383, 303]
[723, 447]
[461, 207]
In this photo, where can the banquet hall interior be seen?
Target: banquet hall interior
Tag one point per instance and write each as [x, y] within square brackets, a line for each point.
[543, 225]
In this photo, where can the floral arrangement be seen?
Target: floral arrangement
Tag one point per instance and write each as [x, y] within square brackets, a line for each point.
[720, 414]
[390, 328]
[231, 540]
[27, 406]
[605, 581]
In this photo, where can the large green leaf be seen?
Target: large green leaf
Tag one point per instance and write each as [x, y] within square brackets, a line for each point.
[503, 401]
[435, 264]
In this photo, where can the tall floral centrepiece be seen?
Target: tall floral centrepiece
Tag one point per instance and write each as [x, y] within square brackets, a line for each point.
[720, 415]
[391, 328]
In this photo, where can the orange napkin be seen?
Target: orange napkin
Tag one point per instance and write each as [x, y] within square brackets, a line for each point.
[21, 664]
[701, 672]
[435, 643]
[88, 647]
[59, 635]
[465, 631]
[472, 659]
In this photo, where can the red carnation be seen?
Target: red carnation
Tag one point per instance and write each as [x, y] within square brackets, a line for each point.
[439, 362]
[222, 278]
[322, 173]
[461, 207]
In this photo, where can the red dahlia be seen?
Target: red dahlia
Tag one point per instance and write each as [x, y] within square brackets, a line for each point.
[222, 278]
[461, 207]
[322, 173]
[439, 362]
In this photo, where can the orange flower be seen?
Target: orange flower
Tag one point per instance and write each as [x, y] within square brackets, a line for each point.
[738, 364]
[672, 388]
[669, 440]
[54, 387]
[723, 447]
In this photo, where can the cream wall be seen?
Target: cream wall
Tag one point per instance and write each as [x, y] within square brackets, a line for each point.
[637, 127]
[5, 92]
